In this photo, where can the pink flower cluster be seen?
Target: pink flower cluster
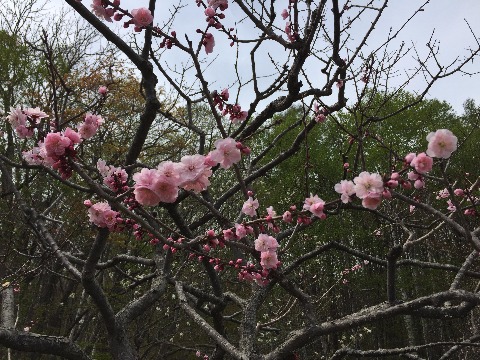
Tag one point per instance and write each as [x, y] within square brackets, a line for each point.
[221, 4]
[208, 42]
[315, 205]
[25, 121]
[54, 151]
[153, 186]
[226, 153]
[102, 10]
[371, 187]
[267, 245]
[461, 193]
[213, 16]
[292, 35]
[140, 18]
[90, 125]
[235, 111]
[102, 215]
[366, 186]
[320, 114]
[57, 147]
[113, 177]
[250, 206]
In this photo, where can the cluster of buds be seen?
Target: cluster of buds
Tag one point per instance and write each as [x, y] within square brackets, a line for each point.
[353, 269]
[169, 42]
[25, 121]
[292, 35]
[104, 10]
[320, 113]
[212, 17]
[236, 113]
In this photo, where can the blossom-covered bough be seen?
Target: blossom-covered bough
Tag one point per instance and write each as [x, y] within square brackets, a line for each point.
[200, 232]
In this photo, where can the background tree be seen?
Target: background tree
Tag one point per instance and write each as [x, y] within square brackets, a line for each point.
[135, 257]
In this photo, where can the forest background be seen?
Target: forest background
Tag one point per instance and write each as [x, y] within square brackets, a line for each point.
[398, 280]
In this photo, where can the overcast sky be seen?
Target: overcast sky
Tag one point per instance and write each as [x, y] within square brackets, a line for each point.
[447, 17]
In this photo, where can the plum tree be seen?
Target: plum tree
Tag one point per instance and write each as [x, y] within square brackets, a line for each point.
[147, 228]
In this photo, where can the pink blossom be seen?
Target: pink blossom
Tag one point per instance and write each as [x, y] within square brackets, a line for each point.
[146, 196]
[102, 90]
[33, 156]
[208, 42]
[17, 117]
[392, 183]
[451, 207]
[144, 193]
[313, 199]
[102, 167]
[372, 201]
[367, 184]
[210, 12]
[116, 178]
[194, 174]
[200, 183]
[410, 157]
[72, 135]
[23, 132]
[100, 11]
[395, 176]
[287, 217]
[35, 113]
[225, 94]
[346, 188]
[191, 167]
[228, 234]
[441, 144]
[237, 115]
[93, 119]
[412, 176]
[90, 125]
[459, 192]
[165, 191]
[102, 215]
[209, 161]
[86, 131]
[422, 163]
[142, 17]
[226, 153]
[269, 260]
[317, 210]
[288, 31]
[320, 117]
[265, 242]
[407, 185]
[284, 14]
[271, 212]
[315, 205]
[240, 231]
[419, 184]
[443, 194]
[170, 171]
[56, 143]
[470, 212]
[222, 4]
[250, 206]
